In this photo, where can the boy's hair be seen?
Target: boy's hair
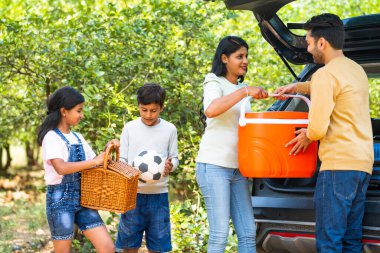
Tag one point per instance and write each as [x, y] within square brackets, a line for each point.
[65, 97]
[328, 26]
[151, 93]
[227, 46]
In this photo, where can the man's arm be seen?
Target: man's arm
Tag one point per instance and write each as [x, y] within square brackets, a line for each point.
[322, 105]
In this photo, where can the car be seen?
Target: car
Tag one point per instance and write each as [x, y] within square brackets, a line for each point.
[283, 207]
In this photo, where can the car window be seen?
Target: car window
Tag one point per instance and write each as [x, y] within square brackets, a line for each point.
[300, 11]
[374, 91]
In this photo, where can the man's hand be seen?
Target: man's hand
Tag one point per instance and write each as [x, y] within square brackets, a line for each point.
[287, 89]
[301, 142]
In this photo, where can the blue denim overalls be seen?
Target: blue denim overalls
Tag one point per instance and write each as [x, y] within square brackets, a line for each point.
[63, 207]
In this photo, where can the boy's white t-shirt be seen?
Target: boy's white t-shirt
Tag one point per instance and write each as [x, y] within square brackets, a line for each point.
[219, 142]
[162, 138]
[54, 147]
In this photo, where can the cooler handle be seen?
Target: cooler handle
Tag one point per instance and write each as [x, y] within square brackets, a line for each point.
[242, 121]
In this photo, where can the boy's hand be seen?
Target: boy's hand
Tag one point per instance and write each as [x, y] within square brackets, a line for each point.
[114, 142]
[168, 167]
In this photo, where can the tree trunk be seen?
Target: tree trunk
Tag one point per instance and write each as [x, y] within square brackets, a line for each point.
[1, 159]
[8, 159]
[31, 153]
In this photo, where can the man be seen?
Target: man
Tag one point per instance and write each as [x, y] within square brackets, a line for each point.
[339, 118]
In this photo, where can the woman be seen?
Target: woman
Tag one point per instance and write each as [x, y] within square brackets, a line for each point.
[225, 190]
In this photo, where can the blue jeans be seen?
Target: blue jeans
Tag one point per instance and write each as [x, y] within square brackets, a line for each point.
[63, 209]
[226, 195]
[339, 200]
[151, 216]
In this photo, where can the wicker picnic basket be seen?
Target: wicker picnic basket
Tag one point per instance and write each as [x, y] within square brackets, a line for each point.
[110, 187]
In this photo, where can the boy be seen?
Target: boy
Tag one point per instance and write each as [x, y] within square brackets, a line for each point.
[151, 215]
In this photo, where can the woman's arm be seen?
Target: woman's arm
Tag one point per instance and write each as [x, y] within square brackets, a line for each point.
[222, 104]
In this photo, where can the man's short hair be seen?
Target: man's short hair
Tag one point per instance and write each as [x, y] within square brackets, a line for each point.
[328, 26]
[151, 93]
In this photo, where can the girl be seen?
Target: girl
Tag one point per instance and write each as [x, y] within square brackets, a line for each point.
[225, 190]
[65, 154]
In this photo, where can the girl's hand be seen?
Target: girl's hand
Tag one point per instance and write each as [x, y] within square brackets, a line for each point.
[114, 142]
[257, 92]
[99, 160]
[168, 167]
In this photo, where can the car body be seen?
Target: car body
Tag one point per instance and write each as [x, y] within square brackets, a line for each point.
[283, 207]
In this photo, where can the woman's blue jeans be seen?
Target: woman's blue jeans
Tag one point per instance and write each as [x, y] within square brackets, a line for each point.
[226, 195]
[339, 201]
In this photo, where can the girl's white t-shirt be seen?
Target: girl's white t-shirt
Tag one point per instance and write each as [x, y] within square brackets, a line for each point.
[54, 147]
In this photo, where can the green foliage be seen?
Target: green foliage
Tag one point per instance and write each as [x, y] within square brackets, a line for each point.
[190, 226]
[83, 245]
[374, 92]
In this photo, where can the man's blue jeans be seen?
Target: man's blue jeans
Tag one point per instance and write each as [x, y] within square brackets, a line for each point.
[227, 195]
[339, 200]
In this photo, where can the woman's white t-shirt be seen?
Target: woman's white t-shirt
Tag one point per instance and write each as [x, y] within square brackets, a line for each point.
[54, 147]
[219, 142]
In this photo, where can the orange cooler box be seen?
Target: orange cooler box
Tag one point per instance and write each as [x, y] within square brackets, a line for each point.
[261, 144]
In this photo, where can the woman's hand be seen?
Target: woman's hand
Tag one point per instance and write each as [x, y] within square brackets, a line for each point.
[257, 92]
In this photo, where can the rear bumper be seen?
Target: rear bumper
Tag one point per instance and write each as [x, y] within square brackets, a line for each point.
[302, 243]
[298, 237]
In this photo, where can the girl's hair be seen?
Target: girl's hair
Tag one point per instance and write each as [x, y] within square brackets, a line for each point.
[65, 97]
[227, 46]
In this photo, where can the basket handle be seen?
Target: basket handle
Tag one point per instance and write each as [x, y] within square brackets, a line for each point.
[110, 148]
[242, 121]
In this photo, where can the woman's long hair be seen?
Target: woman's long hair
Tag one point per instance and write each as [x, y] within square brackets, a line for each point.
[65, 97]
[227, 46]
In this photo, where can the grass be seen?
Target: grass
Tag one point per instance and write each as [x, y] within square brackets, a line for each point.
[23, 223]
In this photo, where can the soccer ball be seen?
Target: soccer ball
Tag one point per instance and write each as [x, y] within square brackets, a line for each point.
[151, 164]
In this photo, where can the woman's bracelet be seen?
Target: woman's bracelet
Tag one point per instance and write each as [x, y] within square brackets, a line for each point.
[246, 90]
